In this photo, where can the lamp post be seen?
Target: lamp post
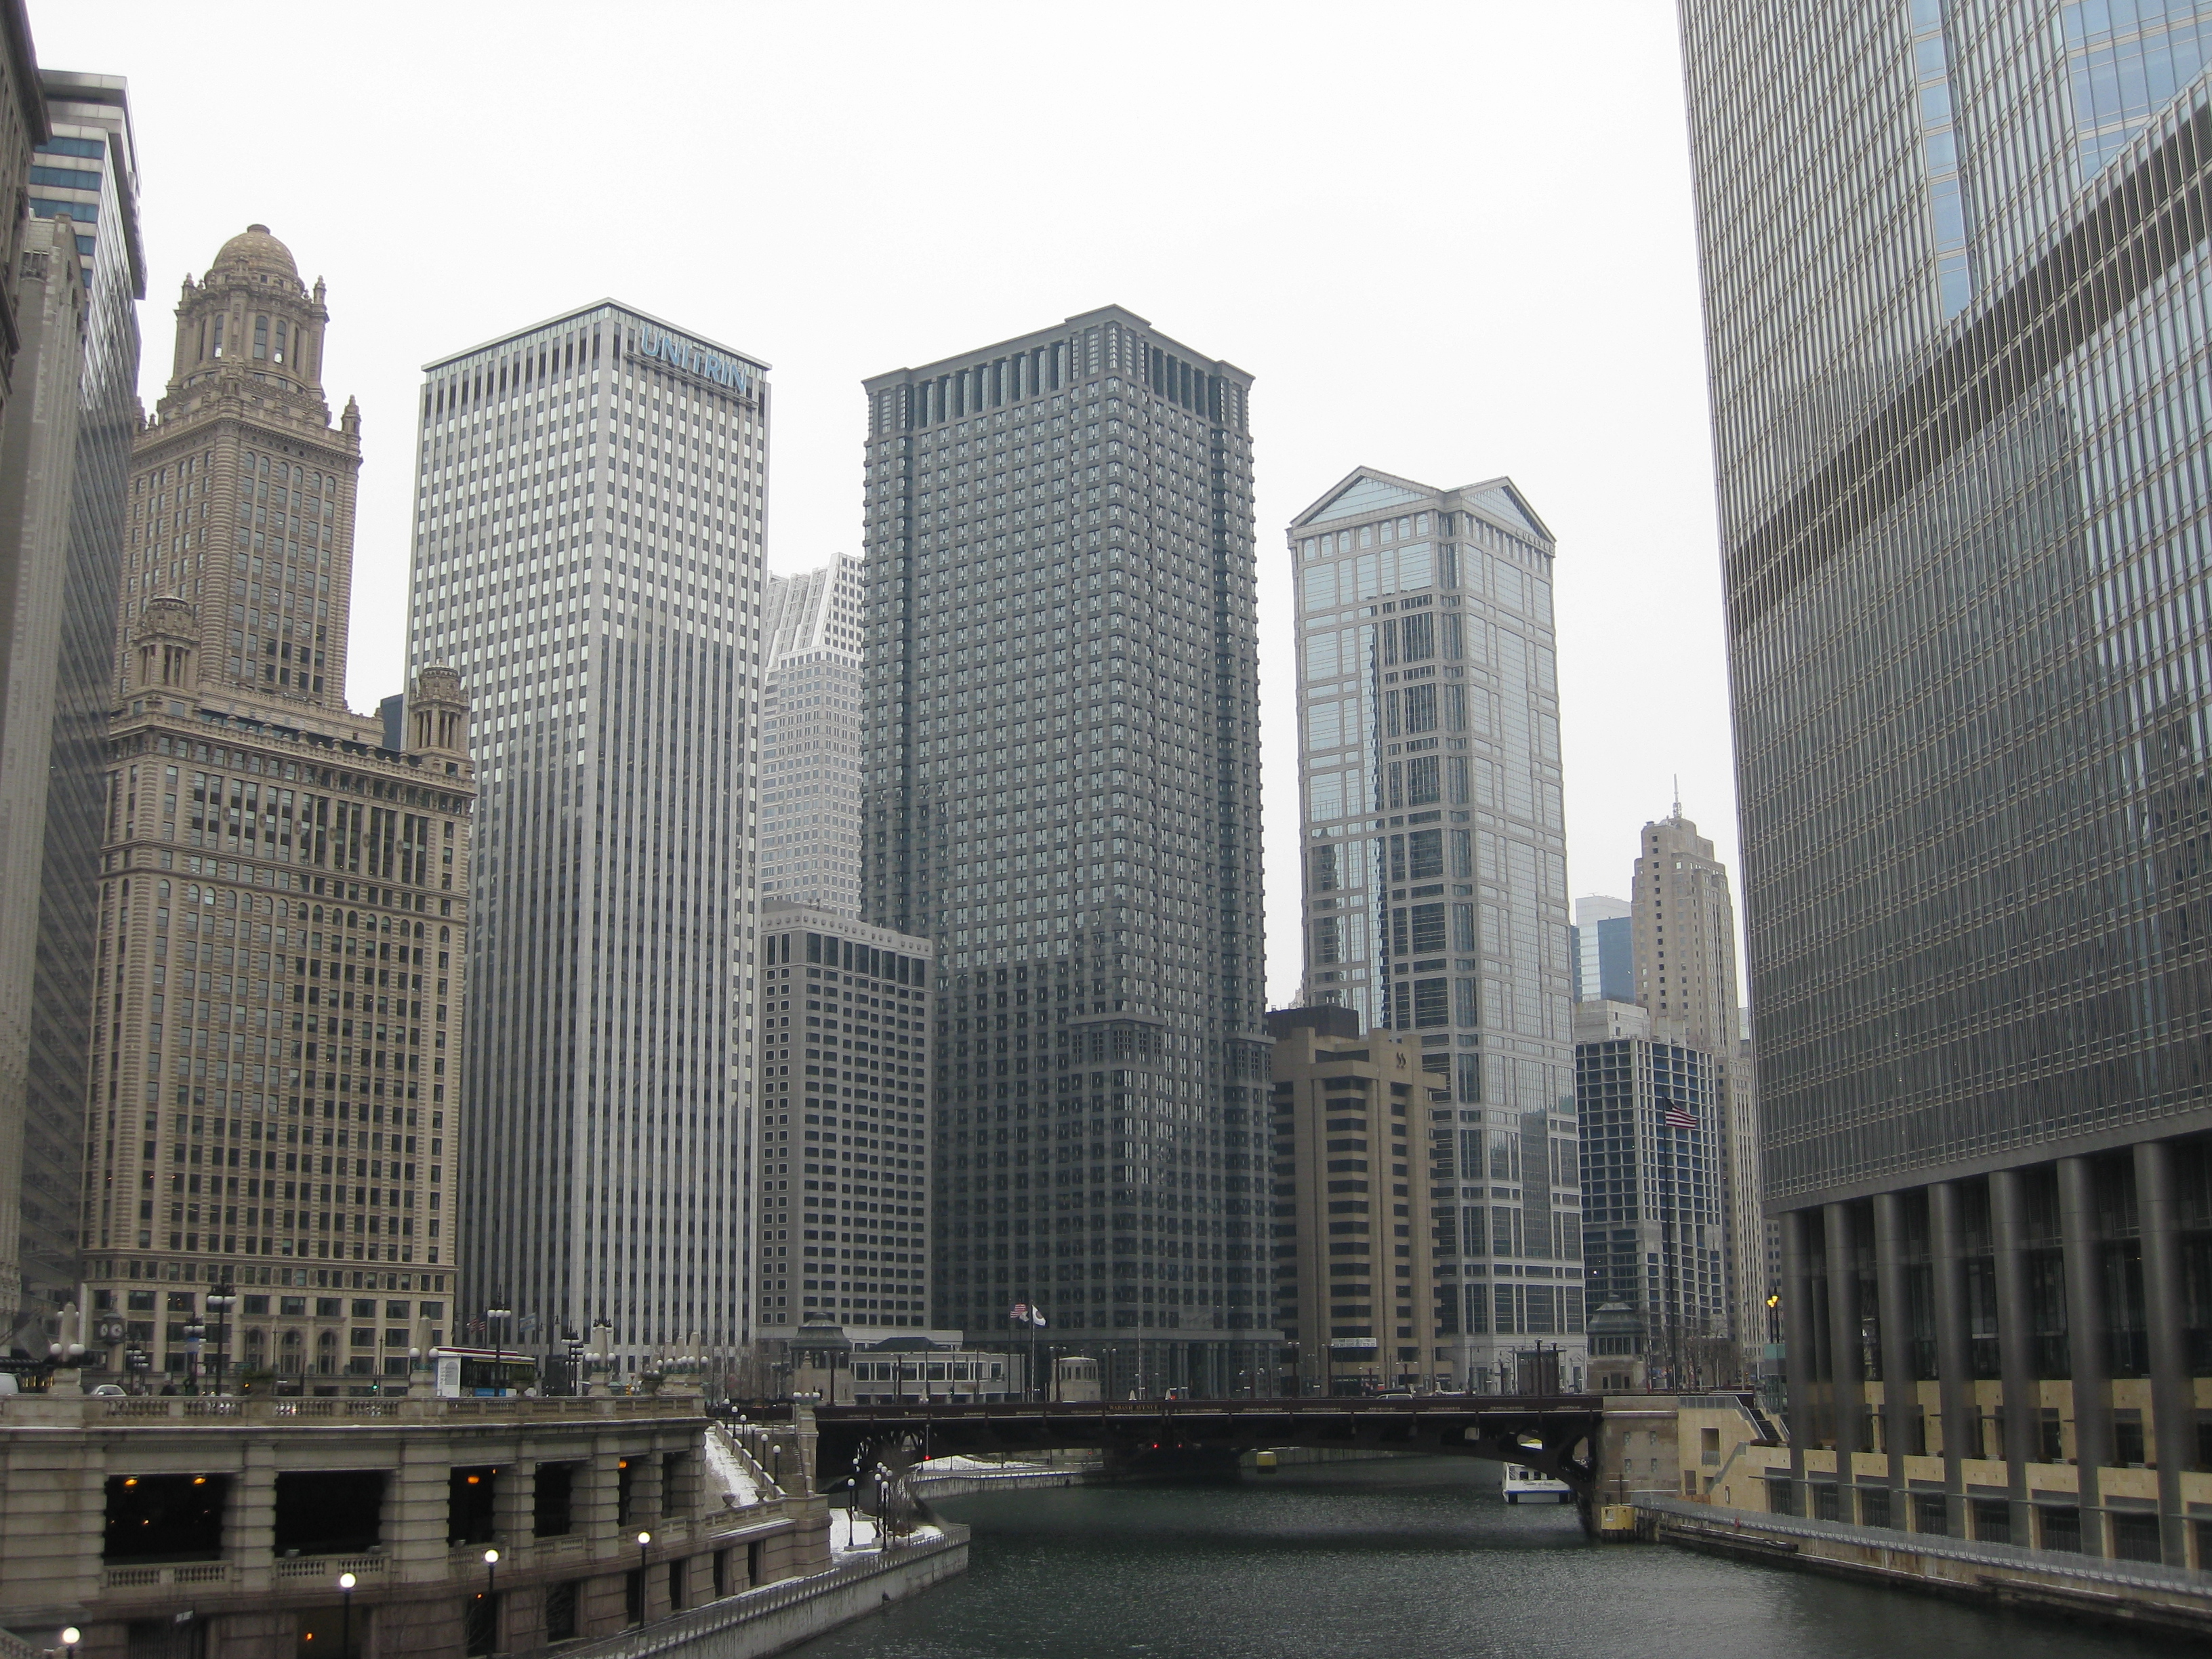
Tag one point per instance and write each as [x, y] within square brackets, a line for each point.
[220, 1302]
[644, 1589]
[498, 1359]
[70, 1637]
[491, 1598]
[346, 1582]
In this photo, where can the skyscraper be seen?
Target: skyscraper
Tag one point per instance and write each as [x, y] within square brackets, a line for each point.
[588, 553]
[1654, 1192]
[1956, 367]
[87, 169]
[809, 819]
[1061, 789]
[844, 1160]
[283, 903]
[1684, 972]
[1435, 867]
[1602, 950]
[38, 461]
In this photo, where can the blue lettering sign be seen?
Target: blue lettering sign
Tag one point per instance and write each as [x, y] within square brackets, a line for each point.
[694, 359]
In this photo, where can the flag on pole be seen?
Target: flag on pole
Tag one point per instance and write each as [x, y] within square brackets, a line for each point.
[1676, 1118]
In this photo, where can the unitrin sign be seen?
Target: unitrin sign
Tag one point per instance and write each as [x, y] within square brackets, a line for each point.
[693, 359]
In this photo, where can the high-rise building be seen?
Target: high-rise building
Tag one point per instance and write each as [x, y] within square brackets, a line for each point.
[810, 772]
[844, 1157]
[1061, 790]
[1359, 1291]
[1655, 1218]
[588, 552]
[1435, 860]
[37, 463]
[87, 170]
[1685, 974]
[1602, 951]
[1956, 367]
[283, 902]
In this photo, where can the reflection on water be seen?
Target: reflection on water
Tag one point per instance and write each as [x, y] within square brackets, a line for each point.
[1416, 1558]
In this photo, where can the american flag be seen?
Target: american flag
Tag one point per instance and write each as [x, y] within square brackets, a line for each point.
[1676, 1117]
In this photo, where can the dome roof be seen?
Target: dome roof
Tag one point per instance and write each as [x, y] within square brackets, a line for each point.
[255, 246]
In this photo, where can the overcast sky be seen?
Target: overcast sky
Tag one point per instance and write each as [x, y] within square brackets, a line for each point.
[1450, 241]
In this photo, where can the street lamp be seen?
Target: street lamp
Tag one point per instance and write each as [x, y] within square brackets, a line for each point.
[491, 1597]
[498, 1359]
[70, 1637]
[219, 1303]
[346, 1582]
[644, 1590]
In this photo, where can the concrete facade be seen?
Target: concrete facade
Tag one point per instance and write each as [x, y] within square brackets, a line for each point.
[69, 1464]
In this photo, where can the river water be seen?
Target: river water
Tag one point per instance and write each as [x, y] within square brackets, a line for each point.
[1417, 1558]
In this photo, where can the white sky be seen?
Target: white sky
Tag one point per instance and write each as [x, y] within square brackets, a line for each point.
[1450, 240]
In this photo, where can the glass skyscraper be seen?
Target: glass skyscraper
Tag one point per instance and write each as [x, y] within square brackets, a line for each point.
[1434, 876]
[1061, 791]
[88, 169]
[1957, 312]
[1602, 951]
[588, 555]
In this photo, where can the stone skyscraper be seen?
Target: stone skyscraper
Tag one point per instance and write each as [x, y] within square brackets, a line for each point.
[588, 552]
[1956, 285]
[1061, 790]
[283, 902]
[810, 773]
[87, 169]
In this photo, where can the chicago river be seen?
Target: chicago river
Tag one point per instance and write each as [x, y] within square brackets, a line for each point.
[1395, 1558]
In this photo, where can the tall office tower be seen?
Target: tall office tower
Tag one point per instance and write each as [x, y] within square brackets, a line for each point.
[1061, 789]
[810, 817]
[283, 902]
[1654, 1193]
[38, 461]
[588, 553]
[1962, 458]
[1683, 972]
[1601, 950]
[1435, 860]
[1684, 934]
[845, 1015]
[816, 610]
[88, 170]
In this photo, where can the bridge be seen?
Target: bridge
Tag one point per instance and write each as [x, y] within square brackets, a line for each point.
[1560, 1434]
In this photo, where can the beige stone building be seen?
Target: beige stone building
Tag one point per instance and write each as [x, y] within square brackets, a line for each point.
[283, 901]
[1357, 1295]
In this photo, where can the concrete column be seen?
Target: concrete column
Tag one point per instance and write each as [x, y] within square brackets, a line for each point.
[802, 1420]
[595, 1496]
[515, 1505]
[1954, 1350]
[2084, 1342]
[2015, 1343]
[249, 1526]
[416, 1508]
[645, 1494]
[1895, 1319]
[1845, 1363]
[2172, 1395]
[1809, 1399]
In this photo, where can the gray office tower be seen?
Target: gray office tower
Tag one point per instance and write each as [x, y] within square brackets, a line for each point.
[1060, 788]
[88, 169]
[1434, 863]
[1957, 301]
[1602, 946]
[588, 554]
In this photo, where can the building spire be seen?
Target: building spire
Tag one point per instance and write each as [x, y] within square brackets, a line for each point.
[1678, 794]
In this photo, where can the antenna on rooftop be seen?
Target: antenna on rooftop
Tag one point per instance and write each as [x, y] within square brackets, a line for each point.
[1678, 794]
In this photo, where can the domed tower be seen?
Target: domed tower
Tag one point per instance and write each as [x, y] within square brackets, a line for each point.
[166, 644]
[242, 489]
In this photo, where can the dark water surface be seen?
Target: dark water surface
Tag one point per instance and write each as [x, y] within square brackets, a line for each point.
[1416, 1558]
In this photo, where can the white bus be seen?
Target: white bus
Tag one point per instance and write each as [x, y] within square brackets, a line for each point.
[1522, 1482]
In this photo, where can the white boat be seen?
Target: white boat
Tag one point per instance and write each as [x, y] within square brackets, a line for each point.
[1522, 1482]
